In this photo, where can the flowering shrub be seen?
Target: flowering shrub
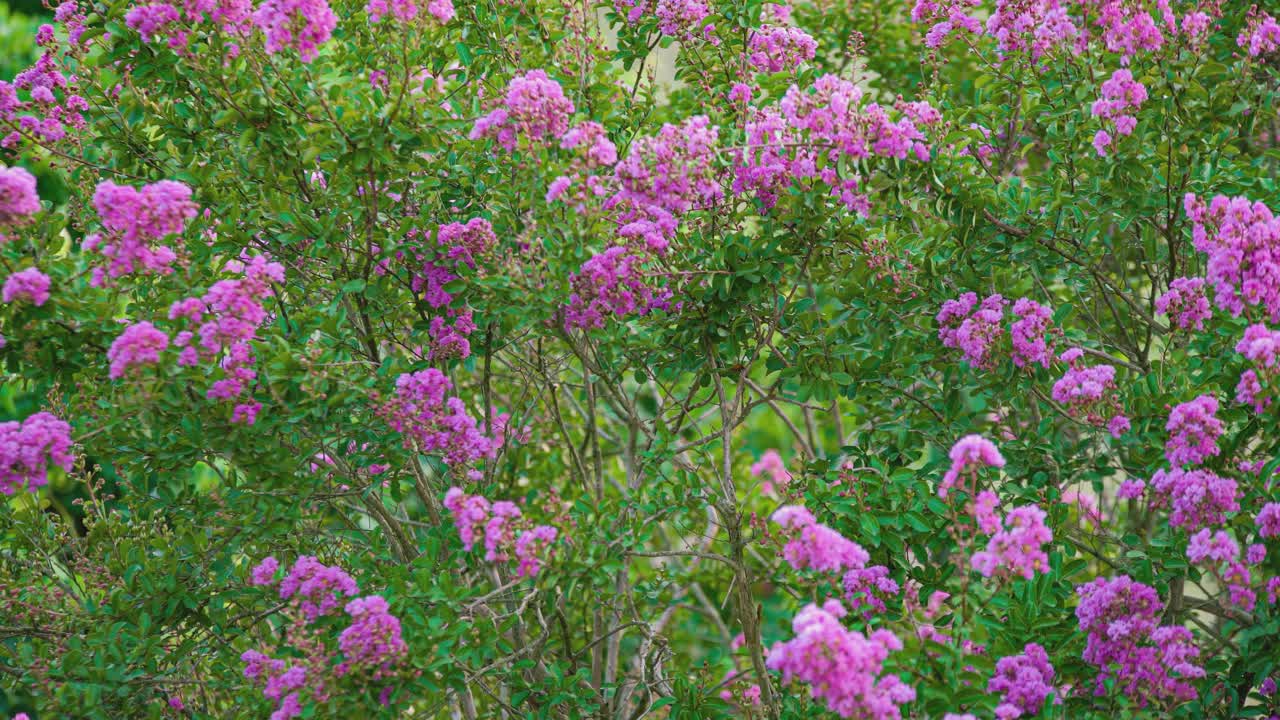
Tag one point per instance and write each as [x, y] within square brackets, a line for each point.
[641, 359]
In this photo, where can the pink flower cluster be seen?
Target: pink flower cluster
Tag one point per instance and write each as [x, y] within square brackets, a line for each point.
[371, 645]
[139, 345]
[505, 531]
[1089, 393]
[946, 17]
[228, 316]
[1261, 34]
[1032, 333]
[1195, 498]
[1017, 548]
[1185, 303]
[1121, 97]
[433, 423]
[1242, 242]
[773, 48]
[592, 150]
[28, 448]
[1024, 682]
[814, 546]
[406, 11]
[665, 176]
[534, 108]
[843, 668]
[1038, 26]
[773, 469]
[976, 329]
[681, 19]
[369, 650]
[464, 242]
[972, 328]
[1268, 520]
[54, 105]
[1257, 384]
[457, 245]
[1149, 664]
[833, 124]
[968, 455]
[303, 25]
[135, 221]
[28, 285]
[314, 588]
[613, 283]
[18, 198]
[163, 19]
[1194, 430]
[867, 589]
[1208, 547]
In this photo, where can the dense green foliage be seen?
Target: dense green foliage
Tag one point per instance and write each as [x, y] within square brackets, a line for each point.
[804, 327]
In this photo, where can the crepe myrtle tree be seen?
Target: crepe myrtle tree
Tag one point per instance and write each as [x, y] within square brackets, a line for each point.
[437, 359]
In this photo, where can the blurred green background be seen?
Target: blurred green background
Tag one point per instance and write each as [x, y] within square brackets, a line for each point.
[18, 22]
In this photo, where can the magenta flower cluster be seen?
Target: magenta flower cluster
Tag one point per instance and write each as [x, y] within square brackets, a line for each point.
[505, 531]
[1018, 547]
[1150, 664]
[681, 19]
[434, 423]
[1220, 553]
[1261, 34]
[1089, 392]
[1195, 498]
[591, 150]
[534, 108]
[1241, 240]
[407, 11]
[774, 471]
[868, 589]
[1024, 681]
[774, 48]
[371, 645]
[969, 455]
[1039, 27]
[665, 176]
[1257, 385]
[1194, 430]
[946, 17]
[1032, 334]
[977, 330]
[1268, 520]
[54, 106]
[28, 285]
[1185, 303]
[972, 328]
[138, 346]
[18, 198]
[134, 223]
[457, 245]
[29, 448]
[814, 546]
[226, 320]
[1121, 97]
[165, 20]
[303, 25]
[1207, 547]
[613, 284]
[812, 131]
[369, 650]
[843, 668]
